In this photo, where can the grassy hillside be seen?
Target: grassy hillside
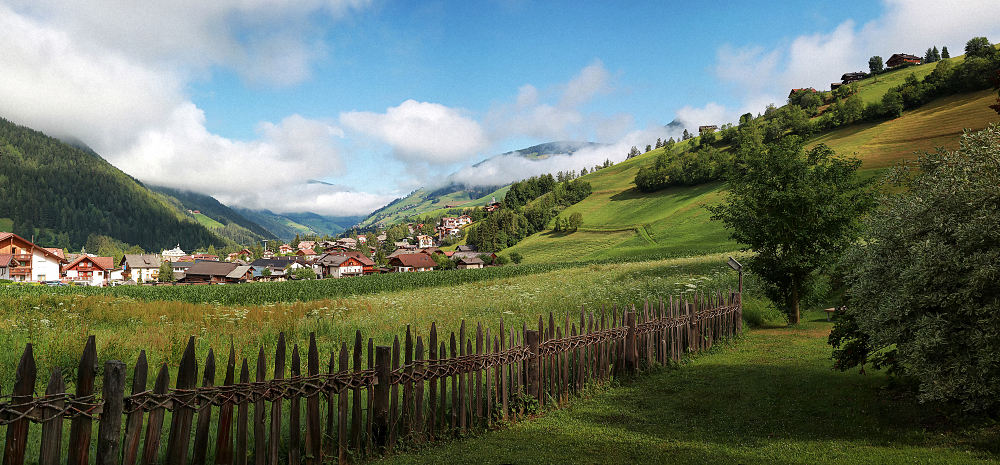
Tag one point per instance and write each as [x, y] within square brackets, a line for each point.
[207, 222]
[216, 215]
[619, 221]
[434, 202]
[937, 124]
[422, 203]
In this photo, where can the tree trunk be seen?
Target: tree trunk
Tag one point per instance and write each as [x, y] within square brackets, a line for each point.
[793, 315]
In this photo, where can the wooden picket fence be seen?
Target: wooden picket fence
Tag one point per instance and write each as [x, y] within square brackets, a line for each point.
[492, 377]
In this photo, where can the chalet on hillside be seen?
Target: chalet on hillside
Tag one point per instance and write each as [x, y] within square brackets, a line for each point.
[898, 59]
[412, 262]
[90, 271]
[848, 78]
[702, 130]
[34, 263]
[285, 249]
[790, 94]
[173, 254]
[424, 241]
[205, 256]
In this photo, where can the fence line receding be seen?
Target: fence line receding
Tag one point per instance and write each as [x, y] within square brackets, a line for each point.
[310, 410]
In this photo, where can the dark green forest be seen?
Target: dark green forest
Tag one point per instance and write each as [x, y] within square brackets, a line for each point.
[61, 195]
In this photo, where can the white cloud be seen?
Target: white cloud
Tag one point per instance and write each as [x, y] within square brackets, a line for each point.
[323, 199]
[183, 154]
[422, 132]
[252, 36]
[504, 169]
[529, 115]
[712, 113]
[126, 98]
[759, 76]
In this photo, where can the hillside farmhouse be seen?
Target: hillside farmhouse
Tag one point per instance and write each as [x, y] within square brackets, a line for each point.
[898, 59]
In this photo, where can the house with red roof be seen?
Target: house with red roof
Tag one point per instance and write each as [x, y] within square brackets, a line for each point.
[89, 271]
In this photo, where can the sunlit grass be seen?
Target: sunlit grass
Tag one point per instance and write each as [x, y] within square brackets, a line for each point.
[770, 397]
[58, 325]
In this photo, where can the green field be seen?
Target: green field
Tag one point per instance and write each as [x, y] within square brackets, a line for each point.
[207, 222]
[6, 224]
[770, 397]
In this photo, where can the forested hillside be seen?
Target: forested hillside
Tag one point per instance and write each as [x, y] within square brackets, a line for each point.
[61, 195]
[215, 210]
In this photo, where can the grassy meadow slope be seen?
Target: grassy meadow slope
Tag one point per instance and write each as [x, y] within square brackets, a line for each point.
[619, 221]
[937, 124]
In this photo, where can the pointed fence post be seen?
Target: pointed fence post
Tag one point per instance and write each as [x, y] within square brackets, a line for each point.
[80, 431]
[110, 424]
[24, 388]
[49, 452]
[532, 378]
[279, 374]
[204, 414]
[133, 426]
[380, 428]
[180, 424]
[224, 440]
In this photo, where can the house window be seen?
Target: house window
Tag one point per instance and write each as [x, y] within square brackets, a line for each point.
[41, 277]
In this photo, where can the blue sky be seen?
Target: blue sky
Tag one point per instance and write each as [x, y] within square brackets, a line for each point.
[248, 100]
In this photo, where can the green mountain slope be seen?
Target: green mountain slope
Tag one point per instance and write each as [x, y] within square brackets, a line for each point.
[61, 195]
[621, 222]
[286, 225]
[213, 213]
[455, 195]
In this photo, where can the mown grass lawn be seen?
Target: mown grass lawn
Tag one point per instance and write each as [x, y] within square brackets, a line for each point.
[770, 397]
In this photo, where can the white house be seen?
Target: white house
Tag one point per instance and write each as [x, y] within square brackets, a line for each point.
[90, 271]
[140, 268]
[425, 241]
[173, 255]
[35, 264]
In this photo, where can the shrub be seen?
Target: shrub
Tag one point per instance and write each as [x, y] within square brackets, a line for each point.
[923, 278]
[762, 312]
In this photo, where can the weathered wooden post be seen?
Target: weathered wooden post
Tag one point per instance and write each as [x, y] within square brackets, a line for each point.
[532, 378]
[631, 354]
[110, 427]
[380, 427]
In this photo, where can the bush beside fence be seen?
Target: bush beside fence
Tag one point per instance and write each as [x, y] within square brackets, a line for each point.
[492, 377]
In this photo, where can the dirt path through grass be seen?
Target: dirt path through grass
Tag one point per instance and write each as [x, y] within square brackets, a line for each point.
[769, 398]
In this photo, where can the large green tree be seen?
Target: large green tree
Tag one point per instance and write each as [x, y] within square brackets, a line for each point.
[875, 64]
[923, 293]
[795, 209]
[979, 47]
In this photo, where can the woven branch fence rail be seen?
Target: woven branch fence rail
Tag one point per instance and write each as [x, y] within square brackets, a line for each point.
[347, 411]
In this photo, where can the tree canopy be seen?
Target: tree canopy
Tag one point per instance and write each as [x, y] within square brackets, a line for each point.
[923, 296]
[796, 209]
